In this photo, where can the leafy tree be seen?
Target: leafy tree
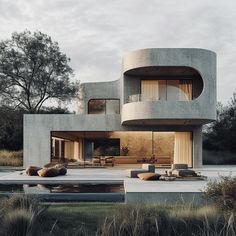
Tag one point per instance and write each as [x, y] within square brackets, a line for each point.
[54, 110]
[221, 135]
[34, 70]
[11, 125]
[11, 128]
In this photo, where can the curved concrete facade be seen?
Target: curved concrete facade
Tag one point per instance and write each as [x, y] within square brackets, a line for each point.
[199, 111]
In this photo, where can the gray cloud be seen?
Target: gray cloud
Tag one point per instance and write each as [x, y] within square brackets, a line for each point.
[95, 34]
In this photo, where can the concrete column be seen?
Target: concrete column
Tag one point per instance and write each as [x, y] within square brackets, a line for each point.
[197, 147]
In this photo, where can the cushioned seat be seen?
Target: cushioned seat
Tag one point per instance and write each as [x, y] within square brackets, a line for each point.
[109, 161]
[184, 173]
[179, 166]
[146, 168]
[149, 176]
[48, 172]
[96, 161]
[33, 170]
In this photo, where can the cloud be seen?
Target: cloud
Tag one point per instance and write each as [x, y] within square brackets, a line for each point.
[95, 34]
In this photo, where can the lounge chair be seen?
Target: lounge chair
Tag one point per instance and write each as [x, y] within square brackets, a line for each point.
[109, 161]
[146, 168]
[182, 172]
[96, 160]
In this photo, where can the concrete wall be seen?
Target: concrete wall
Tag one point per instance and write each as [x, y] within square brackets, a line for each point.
[194, 198]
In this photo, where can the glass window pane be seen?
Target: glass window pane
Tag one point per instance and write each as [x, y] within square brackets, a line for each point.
[97, 106]
[150, 90]
[185, 90]
[162, 89]
[112, 106]
[172, 90]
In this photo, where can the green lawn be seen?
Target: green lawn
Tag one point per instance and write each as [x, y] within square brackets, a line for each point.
[70, 217]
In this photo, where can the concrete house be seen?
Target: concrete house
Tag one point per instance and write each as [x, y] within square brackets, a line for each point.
[154, 111]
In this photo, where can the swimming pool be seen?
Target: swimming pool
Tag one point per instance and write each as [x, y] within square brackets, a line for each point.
[81, 191]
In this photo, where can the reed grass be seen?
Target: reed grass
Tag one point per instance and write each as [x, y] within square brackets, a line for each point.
[21, 215]
[11, 158]
[27, 216]
[149, 221]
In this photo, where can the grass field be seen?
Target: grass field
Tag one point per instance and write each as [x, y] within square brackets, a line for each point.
[11, 158]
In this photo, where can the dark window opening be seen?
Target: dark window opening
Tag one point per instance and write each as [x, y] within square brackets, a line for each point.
[104, 106]
[106, 147]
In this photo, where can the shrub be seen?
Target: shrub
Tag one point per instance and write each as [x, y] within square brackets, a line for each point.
[11, 158]
[20, 222]
[211, 157]
[222, 193]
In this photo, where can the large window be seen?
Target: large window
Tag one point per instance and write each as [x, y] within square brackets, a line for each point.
[169, 90]
[104, 106]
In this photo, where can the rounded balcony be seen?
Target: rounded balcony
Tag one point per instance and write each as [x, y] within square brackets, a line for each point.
[169, 86]
[158, 112]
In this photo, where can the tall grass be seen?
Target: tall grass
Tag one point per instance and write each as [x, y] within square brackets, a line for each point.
[21, 215]
[11, 158]
[184, 221]
[27, 216]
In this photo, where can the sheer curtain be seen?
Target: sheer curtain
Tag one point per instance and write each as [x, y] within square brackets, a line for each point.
[150, 90]
[185, 89]
[183, 148]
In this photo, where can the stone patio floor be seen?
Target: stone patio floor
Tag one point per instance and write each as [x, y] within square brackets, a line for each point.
[119, 174]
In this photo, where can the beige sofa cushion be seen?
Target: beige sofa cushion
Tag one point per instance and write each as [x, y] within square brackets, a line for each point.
[149, 176]
[48, 172]
[33, 170]
[179, 166]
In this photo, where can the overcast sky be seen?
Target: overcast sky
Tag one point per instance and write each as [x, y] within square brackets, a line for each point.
[96, 33]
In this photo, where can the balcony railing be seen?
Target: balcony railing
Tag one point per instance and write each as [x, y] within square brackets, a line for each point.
[141, 98]
[146, 97]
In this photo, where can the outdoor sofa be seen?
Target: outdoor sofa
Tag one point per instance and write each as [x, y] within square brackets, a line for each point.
[146, 168]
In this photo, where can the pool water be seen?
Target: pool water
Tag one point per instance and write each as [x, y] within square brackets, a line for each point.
[65, 192]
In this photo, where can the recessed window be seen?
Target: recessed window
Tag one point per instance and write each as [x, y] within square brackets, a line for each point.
[104, 106]
[169, 90]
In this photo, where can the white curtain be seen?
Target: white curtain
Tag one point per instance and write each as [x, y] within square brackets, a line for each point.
[183, 148]
[150, 90]
[185, 89]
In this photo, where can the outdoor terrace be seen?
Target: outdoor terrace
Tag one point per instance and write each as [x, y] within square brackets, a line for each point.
[136, 190]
